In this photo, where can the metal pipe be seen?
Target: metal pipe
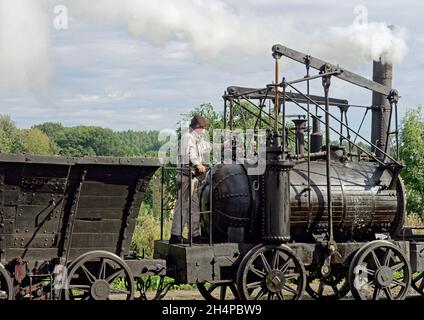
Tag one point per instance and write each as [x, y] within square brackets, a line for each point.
[276, 101]
[326, 85]
[360, 136]
[161, 202]
[190, 218]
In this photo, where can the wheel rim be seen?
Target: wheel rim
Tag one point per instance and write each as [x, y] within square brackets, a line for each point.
[218, 291]
[6, 287]
[271, 273]
[380, 271]
[418, 283]
[99, 276]
[333, 287]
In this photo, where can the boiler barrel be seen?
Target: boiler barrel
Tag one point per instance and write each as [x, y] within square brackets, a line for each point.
[362, 203]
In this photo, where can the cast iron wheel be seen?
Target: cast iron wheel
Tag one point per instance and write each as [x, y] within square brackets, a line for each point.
[219, 291]
[418, 283]
[379, 270]
[6, 285]
[336, 282]
[271, 272]
[99, 275]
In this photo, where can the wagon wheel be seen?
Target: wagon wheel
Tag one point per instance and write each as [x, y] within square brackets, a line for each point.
[333, 287]
[218, 291]
[6, 285]
[271, 272]
[418, 283]
[379, 270]
[99, 275]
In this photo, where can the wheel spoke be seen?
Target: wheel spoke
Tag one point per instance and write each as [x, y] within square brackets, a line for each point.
[102, 271]
[212, 287]
[388, 293]
[398, 283]
[376, 261]
[417, 278]
[280, 296]
[320, 288]
[370, 272]
[376, 293]
[234, 289]
[114, 275]
[289, 289]
[88, 274]
[397, 266]
[387, 257]
[292, 276]
[254, 285]
[286, 264]
[258, 272]
[275, 259]
[265, 262]
[222, 292]
[335, 289]
[260, 294]
[270, 296]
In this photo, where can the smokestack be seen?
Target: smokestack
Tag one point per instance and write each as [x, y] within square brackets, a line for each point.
[300, 125]
[382, 73]
[316, 135]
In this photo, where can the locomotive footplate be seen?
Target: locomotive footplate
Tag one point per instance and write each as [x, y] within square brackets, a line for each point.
[201, 262]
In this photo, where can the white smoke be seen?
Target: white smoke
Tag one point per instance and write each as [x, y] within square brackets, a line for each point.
[213, 30]
[24, 46]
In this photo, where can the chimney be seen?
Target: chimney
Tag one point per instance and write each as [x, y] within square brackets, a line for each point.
[382, 73]
[300, 125]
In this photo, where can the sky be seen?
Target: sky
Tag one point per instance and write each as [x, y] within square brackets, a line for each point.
[130, 65]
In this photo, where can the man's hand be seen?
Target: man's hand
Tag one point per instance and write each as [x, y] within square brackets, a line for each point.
[201, 168]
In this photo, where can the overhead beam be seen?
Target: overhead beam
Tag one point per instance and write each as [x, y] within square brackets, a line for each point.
[344, 75]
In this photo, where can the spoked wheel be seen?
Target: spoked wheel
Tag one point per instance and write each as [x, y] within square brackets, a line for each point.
[271, 272]
[418, 283]
[99, 275]
[6, 285]
[333, 287]
[379, 270]
[218, 291]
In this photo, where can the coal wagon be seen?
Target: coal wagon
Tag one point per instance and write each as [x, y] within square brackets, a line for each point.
[68, 223]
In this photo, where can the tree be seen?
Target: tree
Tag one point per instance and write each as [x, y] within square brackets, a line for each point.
[412, 153]
[9, 135]
[35, 141]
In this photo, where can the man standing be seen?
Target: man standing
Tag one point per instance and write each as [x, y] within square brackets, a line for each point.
[191, 157]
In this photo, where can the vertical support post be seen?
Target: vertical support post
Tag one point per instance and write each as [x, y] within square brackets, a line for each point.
[210, 207]
[326, 82]
[190, 218]
[161, 200]
[231, 113]
[307, 64]
[225, 111]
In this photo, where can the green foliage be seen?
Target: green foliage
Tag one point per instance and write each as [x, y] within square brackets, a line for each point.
[412, 153]
[10, 141]
[147, 230]
[35, 141]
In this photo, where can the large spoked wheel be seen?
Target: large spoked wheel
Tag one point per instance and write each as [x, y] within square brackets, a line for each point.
[418, 283]
[6, 285]
[218, 291]
[99, 275]
[270, 272]
[379, 270]
[335, 286]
